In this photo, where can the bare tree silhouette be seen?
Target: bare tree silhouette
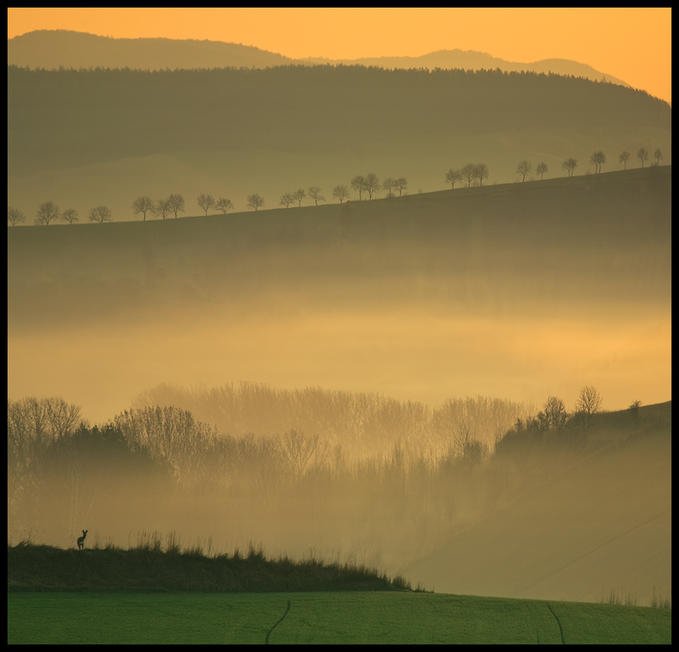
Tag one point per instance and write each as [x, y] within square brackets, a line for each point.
[70, 216]
[597, 159]
[340, 192]
[255, 202]
[162, 207]
[555, 413]
[372, 184]
[315, 194]
[15, 216]
[623, 158]
[642, 155]
[223, 204]
[589, 401]
[358, 185]
[453, 176]
[468, 173]
[523, 168]
[570, 164]
[142, 205]
[481, 172]
[47, 212]
[541, 169]
[176, 204]
[287, 200]
[401, 183]
[206, 202]
[100, 214]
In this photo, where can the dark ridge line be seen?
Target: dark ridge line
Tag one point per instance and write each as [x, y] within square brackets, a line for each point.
[549, 606]
[278, 622]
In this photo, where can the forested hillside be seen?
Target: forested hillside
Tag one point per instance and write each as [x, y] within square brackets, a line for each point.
[108, 136]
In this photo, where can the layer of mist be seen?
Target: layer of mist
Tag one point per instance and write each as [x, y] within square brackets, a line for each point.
[572, 508]
[508, 292]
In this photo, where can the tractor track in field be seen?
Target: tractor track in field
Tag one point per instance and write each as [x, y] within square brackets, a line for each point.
[558, 622]
[278, 622]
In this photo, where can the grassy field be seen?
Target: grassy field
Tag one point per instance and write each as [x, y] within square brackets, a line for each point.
[323, 617]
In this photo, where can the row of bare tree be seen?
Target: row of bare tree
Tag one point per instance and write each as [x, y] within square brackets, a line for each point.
[554, 414]
[364, 423]
[468, 173]
[49, 212]
[597, 159]
[193, 449]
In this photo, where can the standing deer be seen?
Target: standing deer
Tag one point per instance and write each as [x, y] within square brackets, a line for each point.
[81, 540]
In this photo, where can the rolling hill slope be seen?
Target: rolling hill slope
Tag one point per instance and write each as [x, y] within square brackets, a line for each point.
[106, 137]
[499, 249]
[501, 291]
[585, 524]
[359, 617]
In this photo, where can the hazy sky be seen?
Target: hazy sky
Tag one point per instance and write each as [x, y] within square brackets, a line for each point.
[633, 44]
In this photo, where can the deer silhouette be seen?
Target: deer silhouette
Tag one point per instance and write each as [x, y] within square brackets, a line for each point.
[81, 540]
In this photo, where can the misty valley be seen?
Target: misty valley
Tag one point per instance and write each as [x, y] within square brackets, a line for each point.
[420, 299]
[452, 385]
[392, 485]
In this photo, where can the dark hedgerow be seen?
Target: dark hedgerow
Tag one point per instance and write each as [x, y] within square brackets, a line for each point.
[46, 568]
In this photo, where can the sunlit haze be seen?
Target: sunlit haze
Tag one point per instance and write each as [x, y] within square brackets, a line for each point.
[632, 44]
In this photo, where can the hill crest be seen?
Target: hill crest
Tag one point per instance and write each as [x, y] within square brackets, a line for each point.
[52, 49]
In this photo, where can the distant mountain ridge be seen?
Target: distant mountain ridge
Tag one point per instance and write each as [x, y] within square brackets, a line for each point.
[473, 60]
[53, 49]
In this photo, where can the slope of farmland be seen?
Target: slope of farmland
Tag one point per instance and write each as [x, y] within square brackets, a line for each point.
[373, 617]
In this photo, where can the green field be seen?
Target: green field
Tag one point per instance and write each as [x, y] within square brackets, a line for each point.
[323, 617]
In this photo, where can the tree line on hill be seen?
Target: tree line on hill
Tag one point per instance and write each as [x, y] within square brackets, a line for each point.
[472, 173]
[164, 426]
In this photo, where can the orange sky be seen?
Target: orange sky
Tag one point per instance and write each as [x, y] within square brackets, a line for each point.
[633, 44]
